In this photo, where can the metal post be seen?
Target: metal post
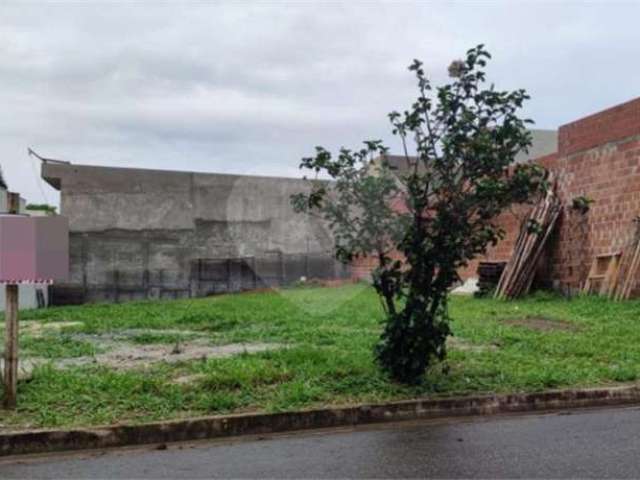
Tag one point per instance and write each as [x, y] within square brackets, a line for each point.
[253, 270]
[11, 328]
[282, 271]
[116, 285]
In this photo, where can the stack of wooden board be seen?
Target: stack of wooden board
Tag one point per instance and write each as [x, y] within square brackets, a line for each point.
[519, 272]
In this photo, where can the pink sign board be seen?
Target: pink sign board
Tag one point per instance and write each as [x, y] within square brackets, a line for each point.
[34, 249]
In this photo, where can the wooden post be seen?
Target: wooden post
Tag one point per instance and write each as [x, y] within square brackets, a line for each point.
[11, 328]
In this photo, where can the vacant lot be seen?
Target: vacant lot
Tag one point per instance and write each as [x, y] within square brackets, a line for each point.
[298, 348]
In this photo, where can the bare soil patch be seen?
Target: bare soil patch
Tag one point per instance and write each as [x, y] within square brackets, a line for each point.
[36, 328]
[136, 356]
[543, 324]
[188, 379]
[142, 356]
[118, 350]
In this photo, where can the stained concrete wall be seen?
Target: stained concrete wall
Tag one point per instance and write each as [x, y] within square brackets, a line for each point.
[136, 233]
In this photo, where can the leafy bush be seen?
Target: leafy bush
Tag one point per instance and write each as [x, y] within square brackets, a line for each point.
[422, 218]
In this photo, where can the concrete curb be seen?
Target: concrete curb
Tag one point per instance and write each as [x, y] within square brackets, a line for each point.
[42, 441]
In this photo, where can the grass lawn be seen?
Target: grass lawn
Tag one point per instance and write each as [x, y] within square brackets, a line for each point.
[324, 356]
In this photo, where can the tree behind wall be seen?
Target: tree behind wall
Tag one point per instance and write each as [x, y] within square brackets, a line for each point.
[437, 208]
[3, 184]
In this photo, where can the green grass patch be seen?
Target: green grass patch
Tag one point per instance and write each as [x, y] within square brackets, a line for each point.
[538, 343]
[56, 346]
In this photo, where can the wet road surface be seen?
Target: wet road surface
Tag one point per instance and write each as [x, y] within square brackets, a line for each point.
[584, 444]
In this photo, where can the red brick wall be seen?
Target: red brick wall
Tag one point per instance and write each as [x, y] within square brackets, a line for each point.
[611, 125]
[598, 157]
[361, 268]
[510, 222]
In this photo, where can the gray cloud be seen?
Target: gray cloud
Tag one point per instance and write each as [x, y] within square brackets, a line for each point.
[252, 87]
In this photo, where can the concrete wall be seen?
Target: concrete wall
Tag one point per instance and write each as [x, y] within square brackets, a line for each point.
[27, 296]
[543, 143]
[137, 233]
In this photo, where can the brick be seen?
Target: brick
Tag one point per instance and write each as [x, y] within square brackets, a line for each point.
[599, 157]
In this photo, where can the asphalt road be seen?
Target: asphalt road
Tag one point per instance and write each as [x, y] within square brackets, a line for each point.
[586, 444]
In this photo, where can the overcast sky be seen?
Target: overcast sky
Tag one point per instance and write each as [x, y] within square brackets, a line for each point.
[250, 87]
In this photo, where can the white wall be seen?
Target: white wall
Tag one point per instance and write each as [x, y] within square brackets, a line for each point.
[27, 296]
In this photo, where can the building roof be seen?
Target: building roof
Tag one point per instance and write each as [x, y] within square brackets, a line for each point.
[94, 176]
[543, 142]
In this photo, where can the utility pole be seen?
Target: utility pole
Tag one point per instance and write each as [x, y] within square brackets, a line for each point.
[11, 327]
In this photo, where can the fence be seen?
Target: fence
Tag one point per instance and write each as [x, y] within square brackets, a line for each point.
[211, 276]
[203, 277]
